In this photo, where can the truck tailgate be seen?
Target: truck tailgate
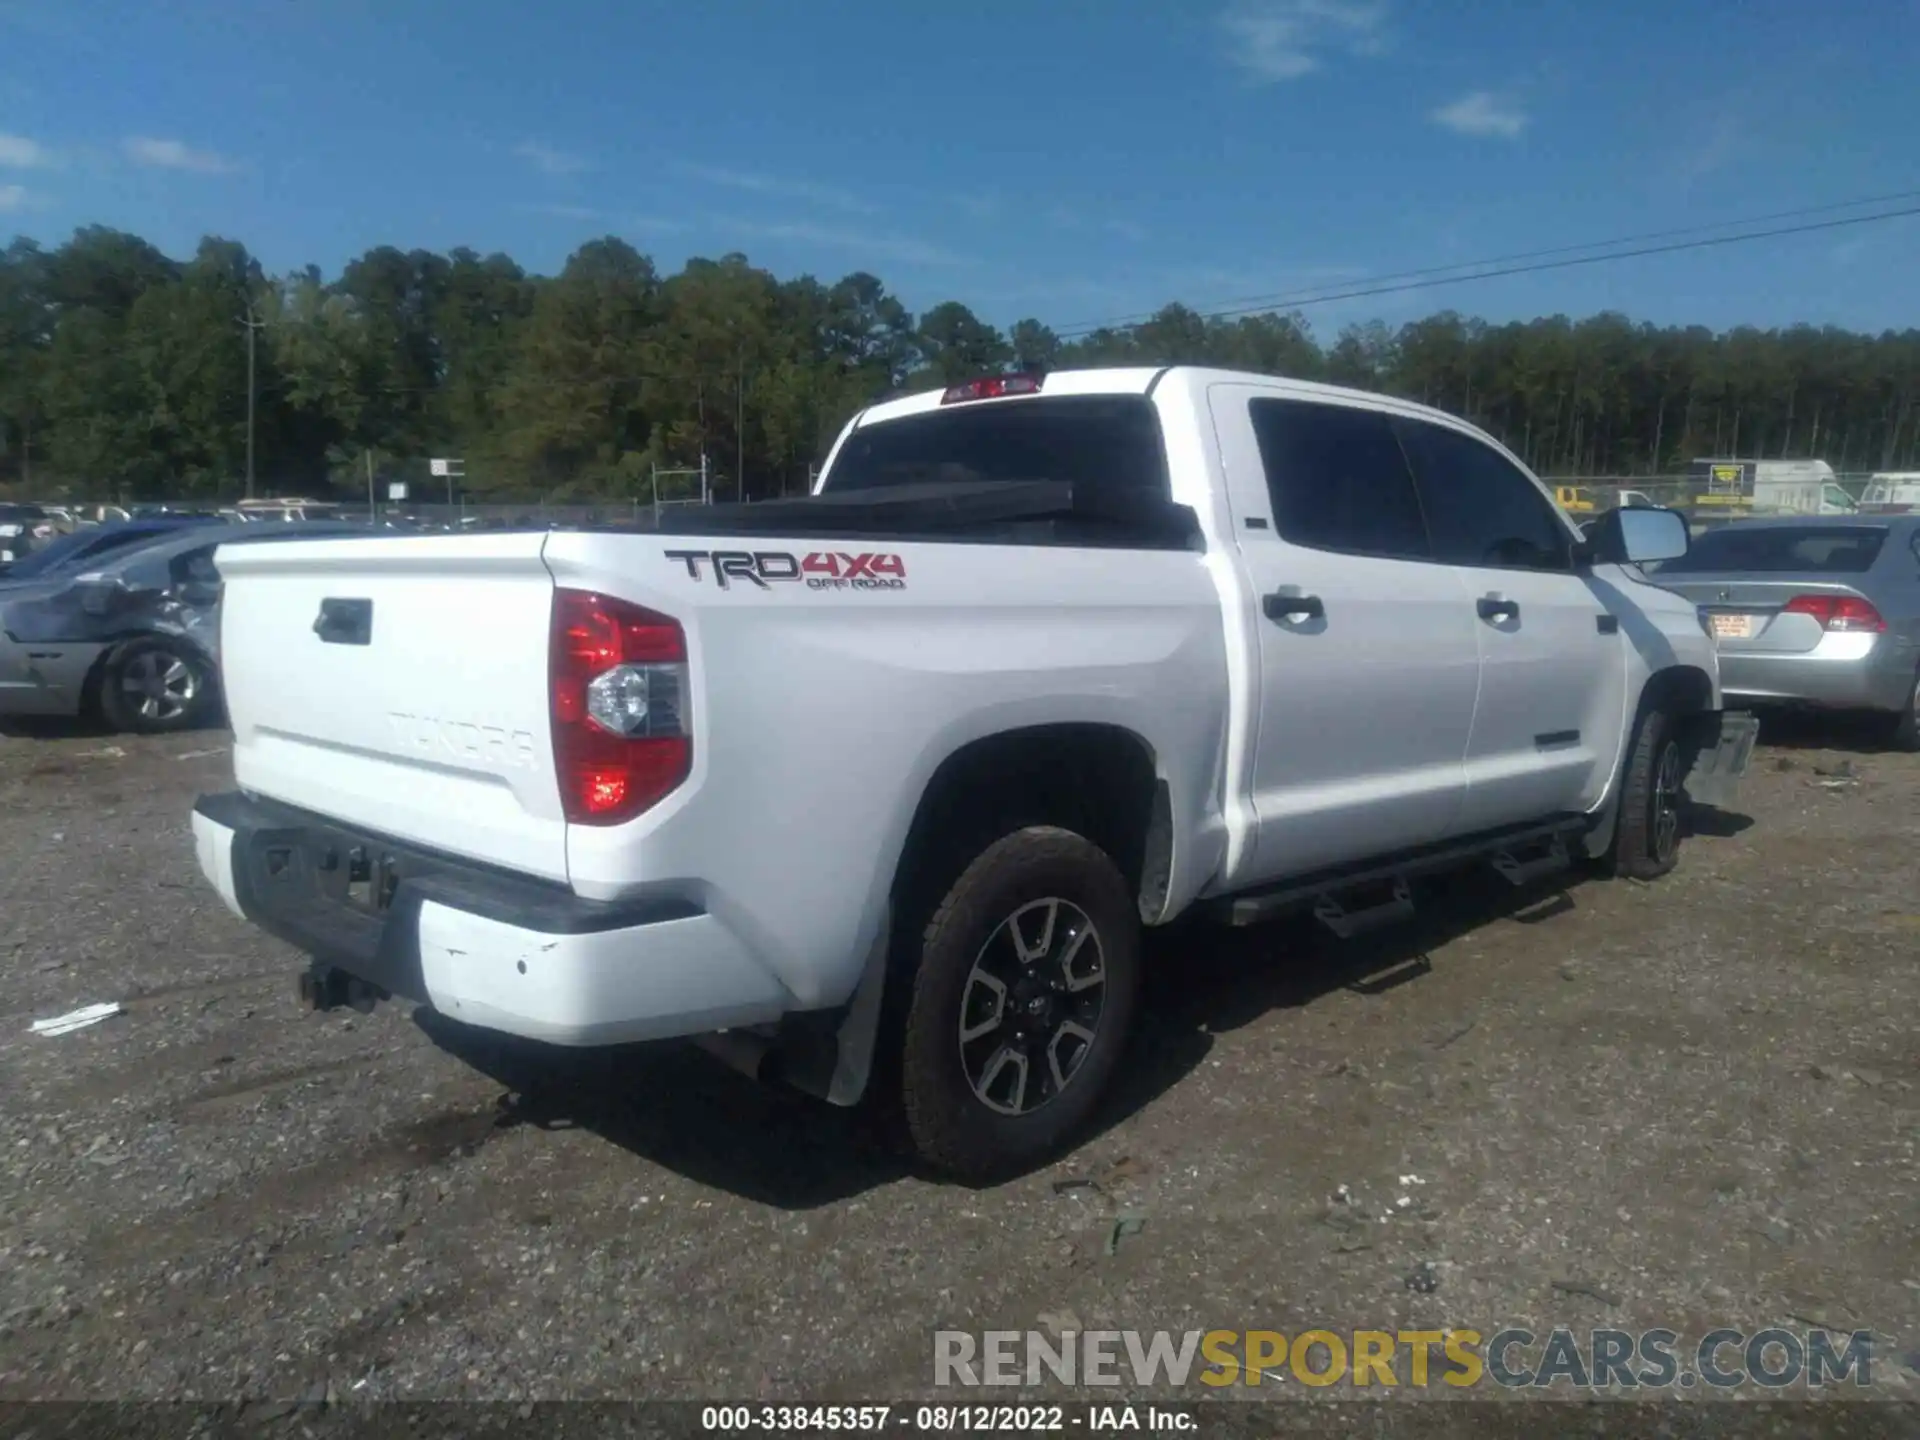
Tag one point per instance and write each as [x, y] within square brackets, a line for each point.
[399, 685]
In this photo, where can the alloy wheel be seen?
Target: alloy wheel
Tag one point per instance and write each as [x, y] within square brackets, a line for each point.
[1031, 1006]
[160, 686]
[1666, 802]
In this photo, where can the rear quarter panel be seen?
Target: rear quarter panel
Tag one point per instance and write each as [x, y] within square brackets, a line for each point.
[820, 715]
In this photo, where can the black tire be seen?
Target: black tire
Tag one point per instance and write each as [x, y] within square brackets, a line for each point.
[1018, 881]
[1647, 831]
[156, 687]
[1905, 734]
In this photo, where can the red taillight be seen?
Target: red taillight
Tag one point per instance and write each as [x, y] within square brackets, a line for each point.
[991, 387]
[618, 683]
[1836, 612]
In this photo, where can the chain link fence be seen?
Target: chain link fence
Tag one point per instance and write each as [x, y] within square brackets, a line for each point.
[1581, 495]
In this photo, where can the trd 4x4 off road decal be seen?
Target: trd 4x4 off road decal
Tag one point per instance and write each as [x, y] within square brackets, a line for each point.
[820, 570]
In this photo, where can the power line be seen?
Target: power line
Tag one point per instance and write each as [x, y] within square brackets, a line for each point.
[1422, 278]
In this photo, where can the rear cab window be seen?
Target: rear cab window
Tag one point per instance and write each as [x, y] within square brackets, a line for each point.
[1102, 440]
[1338, 480]
[1806, 550]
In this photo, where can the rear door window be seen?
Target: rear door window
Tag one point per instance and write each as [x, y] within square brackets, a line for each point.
[1102, 440]
[1338, 480]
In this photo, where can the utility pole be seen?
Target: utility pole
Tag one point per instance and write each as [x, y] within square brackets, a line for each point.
[250, 325]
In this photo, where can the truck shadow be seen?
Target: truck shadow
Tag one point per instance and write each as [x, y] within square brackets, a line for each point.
[1861, 733]
[676, 1107]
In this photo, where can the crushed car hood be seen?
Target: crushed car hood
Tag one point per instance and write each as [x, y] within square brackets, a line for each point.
[145, 593]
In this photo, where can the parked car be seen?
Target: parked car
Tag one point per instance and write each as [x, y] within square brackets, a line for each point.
[290, 510]
[97, 514]
[1815, 612]
[23, 529]
[132, 635]
[84, 546]
[65, 518]
[909, 762]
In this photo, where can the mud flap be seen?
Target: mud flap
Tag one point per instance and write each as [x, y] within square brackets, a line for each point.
[829, 1053]
[1723, 743]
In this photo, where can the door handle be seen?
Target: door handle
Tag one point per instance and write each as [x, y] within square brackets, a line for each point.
[344, 622]
[1281, 607]
[1497, 607]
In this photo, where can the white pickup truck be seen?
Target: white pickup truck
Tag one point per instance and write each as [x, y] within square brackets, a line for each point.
[883, 783]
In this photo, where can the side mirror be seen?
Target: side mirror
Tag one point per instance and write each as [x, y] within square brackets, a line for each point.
[1640, 535]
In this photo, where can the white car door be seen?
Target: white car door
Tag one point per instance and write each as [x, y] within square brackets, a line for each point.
[1366, 655]
[1553, 660]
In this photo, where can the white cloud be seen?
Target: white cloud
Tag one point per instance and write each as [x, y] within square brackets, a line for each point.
[12, 198]
[1482, 113]
[905, 250]
[20, 153]
[564, 212]
[1848, 251]
[175, 155]
[1284, 39]
[979, 206]
[549, 161]
[1710, 151]
[830, 196]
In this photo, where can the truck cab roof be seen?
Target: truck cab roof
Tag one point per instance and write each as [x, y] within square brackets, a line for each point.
[1148, 380]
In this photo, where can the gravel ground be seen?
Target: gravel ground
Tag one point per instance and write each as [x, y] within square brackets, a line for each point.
[1689, 1104]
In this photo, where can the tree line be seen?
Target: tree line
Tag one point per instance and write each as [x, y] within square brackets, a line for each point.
[126, 373]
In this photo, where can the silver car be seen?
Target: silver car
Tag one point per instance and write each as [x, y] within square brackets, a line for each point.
[1819, 611]
[133, 636]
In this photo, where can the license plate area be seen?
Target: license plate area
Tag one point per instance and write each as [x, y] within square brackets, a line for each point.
[341, 869]
[1733, 627]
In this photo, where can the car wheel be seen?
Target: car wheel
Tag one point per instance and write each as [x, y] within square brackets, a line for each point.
[1020, 1006]
[1646, 837]
[152, 687]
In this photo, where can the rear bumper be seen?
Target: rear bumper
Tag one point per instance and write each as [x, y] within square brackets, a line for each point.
[1881, 679]
[479, 945]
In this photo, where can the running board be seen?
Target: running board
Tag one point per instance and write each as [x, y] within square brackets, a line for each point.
[1347, 923]
[1517, 872]
[1322, 892]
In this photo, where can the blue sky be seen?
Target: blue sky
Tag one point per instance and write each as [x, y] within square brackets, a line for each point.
[1070, 159]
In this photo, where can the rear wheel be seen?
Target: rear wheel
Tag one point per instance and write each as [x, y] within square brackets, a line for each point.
[1906, 726]
[1020, 1006]
[1646, 837]
[151, 687]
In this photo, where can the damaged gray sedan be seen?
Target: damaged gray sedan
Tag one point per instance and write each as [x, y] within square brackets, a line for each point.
[133, 640]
